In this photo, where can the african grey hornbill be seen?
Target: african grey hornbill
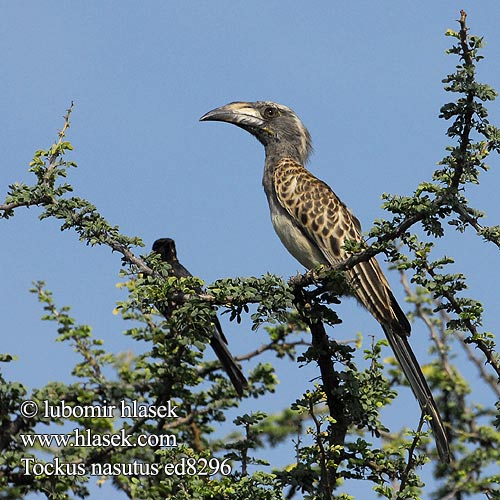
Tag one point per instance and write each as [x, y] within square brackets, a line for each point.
[165, 247]
[313, 224]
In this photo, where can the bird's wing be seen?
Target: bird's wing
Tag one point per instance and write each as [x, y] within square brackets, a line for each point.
[329, 223]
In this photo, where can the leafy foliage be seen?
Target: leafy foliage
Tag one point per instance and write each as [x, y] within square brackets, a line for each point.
[336, 425]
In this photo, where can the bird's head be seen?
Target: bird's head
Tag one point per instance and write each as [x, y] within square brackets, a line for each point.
[277, 127]
[166, 248]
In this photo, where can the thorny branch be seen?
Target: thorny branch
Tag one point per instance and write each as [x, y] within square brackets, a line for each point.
[326, 474]
[46, 181]
[489, 355]
[473, 222]
[442, 348]
[323, 356]
[469, 112]
[411, 458]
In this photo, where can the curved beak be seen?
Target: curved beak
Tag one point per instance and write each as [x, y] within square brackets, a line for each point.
[243, 114]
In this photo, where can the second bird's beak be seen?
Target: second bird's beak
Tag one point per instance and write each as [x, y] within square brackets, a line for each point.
[243, 114]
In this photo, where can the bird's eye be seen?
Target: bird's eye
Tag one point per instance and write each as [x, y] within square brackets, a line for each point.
[270, 112]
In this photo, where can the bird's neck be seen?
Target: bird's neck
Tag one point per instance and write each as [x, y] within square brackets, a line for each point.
[277, 150]
[273, 158]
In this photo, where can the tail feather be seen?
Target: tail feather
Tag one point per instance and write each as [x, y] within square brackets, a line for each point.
[409, 364]
[218, 344]
[373, 291]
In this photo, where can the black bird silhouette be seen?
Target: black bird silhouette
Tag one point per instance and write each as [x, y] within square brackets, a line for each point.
[165, 247]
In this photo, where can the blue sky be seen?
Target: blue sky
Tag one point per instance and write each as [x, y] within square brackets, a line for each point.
[364, 76]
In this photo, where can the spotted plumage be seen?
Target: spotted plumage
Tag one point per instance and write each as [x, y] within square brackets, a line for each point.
[327, 223]
[313, 224]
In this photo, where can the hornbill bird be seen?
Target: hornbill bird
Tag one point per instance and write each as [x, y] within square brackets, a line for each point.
[313, 224]
[165, 247]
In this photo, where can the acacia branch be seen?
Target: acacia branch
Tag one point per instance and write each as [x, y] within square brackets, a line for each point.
[271, 346]
[45, 182]
[469, 111]
[8, 207]
[323, 356]
[472, 221]
[440, 344]
[489, 355]
[56, 150]
[327, 478]
[411, 458]
[487, 377]
[441, 347]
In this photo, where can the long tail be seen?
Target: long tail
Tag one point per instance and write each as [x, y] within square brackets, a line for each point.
[373, 291]
[219, 345]
[409, 364]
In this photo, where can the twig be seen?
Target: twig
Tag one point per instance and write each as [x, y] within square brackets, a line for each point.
[326, 475]
[473, 222]
[490, 358]
[469, 112]
[411, 457]
[441, 348]
[62, 134]
[271, 347]
[286, 345]
[46, 181]
[487, 377]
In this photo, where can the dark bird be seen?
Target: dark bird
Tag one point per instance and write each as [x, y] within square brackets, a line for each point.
[313, 224]
[165, 247]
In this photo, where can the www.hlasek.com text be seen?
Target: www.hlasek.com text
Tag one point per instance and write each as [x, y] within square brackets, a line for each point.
[86, 438]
